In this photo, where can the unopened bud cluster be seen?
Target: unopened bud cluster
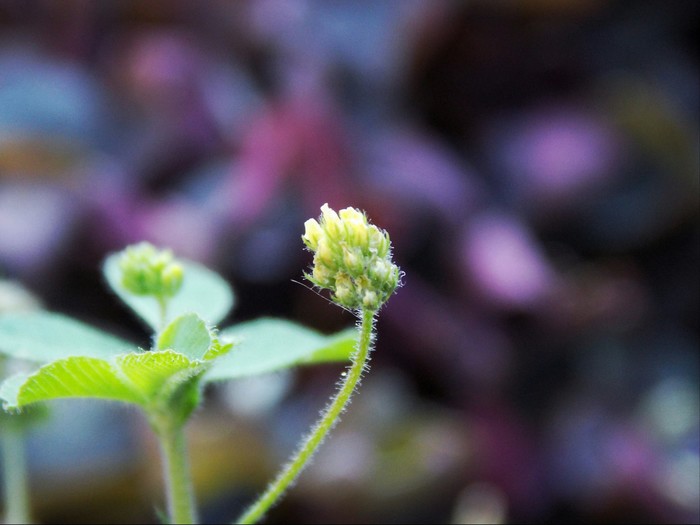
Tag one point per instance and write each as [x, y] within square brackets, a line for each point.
[352, 258]
[147, 270]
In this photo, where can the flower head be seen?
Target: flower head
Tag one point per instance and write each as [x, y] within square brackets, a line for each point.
[147, 270]
[352, 258]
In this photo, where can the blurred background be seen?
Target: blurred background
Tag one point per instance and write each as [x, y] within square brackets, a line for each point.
[536, 163]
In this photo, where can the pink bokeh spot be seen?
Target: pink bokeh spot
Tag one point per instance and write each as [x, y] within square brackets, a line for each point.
[503, 262]
[557, 156]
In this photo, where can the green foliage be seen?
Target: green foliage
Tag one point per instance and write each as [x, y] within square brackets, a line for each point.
[153, 373]
[217, 349]
[268, 345]
[182, 302]
[42, 336]
[86, 362]
[184, 351]
[141, 378]
[105, 372]
[188, 334]
[70, 377]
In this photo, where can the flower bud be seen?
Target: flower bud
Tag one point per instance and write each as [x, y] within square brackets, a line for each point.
[352, 258]
[353, 261]
[370, 300]
[172, 277]
[322, 276]
[344, 289]
[149, 271]
[380, 270]
[331, 223]
[378, 241]
[312, 234]
[325, 253]
[355, 226]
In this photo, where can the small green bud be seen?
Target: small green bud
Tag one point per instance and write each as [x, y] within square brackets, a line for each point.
[352, 258]
[147, 270]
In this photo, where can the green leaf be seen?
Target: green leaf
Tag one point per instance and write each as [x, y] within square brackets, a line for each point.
[148, 372]
[43, 336]
[217, 349]
[266, 345]
[145, 378]
[71, 377]
[203, 291]
[188, 335]
[339, 347]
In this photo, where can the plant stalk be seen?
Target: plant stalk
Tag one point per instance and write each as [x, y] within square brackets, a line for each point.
[163, 311]
[176, 473]
[328, 420]
[15, 476]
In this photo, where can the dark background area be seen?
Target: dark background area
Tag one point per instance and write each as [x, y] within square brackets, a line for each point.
[537, 166]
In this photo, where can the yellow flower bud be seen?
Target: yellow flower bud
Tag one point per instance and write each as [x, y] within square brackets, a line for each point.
[352, 258]
[331, 223]
[324, 253]
[380, 270]
[344, 289]
[350, 214]
[355, 226]
[312, 233]
[378, 241]
[353, 261]
[322, 276]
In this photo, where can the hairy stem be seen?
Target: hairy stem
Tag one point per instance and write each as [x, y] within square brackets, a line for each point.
[328, 420]
[15, 477]
[178, 482]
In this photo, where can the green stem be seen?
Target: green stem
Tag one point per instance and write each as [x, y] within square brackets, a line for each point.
[328, 420]
[163, 310]
[178, 482]
[15, 477]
